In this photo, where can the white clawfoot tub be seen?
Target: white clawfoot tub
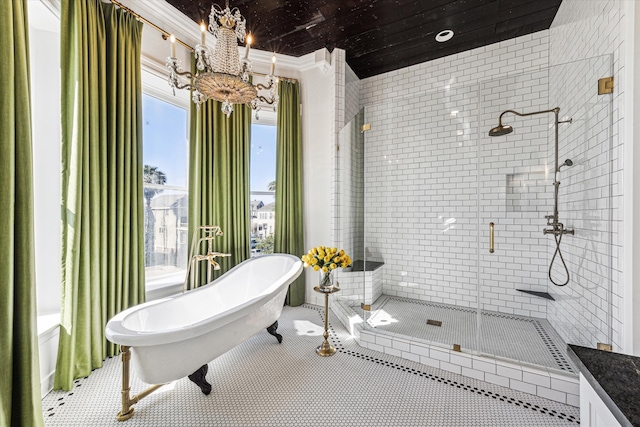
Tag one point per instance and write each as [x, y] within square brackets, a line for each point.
[173, 337]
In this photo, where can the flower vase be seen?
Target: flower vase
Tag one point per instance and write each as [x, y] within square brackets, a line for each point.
[326, 281]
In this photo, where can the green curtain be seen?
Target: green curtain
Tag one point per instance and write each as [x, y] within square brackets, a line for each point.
[102, 202]
[219, 150]
[19, 368]
[289, 232]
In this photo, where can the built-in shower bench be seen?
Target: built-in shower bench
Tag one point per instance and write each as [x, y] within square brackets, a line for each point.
[367, 274]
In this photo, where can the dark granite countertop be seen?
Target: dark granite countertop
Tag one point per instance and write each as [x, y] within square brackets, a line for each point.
[616, 379]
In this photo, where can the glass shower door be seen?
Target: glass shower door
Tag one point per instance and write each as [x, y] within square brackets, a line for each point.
[350, 209]
[525, 316]
[421, 214]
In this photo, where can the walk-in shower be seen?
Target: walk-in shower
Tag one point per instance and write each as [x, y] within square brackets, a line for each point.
[419, 183]
[554, 225]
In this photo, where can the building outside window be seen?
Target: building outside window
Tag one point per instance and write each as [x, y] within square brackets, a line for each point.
[165, 159]
[263, 178]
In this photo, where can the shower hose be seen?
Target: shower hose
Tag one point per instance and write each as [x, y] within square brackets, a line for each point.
[558, 238]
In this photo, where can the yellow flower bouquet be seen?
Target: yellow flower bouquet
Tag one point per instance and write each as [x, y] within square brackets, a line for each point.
[326, 259]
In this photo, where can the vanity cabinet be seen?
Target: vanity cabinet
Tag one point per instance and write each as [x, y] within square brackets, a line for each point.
[593, 411]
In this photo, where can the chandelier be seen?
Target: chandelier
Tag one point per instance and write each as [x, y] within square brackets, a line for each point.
[221, 74]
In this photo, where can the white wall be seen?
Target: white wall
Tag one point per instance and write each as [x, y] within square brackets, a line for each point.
[318, 136]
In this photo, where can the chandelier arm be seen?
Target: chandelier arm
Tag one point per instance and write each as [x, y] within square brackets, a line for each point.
[186, 74]
[263, 87]
[184, 86]
[263, 99]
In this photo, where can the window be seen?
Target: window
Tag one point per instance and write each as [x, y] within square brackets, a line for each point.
[165, 159]
[44, 50]
[263, 178]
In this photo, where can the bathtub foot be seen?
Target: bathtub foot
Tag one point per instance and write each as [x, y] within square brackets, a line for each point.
[127, 401]
[199, 378]
[272, 330]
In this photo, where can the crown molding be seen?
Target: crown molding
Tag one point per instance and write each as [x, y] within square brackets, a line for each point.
[173, 21]
[166, 17]
[153, 66]
[282, 61]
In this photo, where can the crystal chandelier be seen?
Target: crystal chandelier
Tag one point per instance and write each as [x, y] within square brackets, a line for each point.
[222, 75]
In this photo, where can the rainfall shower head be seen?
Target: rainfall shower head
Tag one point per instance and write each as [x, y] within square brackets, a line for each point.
[500, 130]
[505, 129]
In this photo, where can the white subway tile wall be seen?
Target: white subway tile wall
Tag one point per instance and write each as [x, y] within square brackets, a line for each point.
[519, 260]
[422, 177]
[581, 310]
[589, 309]
[352, 94]
[349, 190]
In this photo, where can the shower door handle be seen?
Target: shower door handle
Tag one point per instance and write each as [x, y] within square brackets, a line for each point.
[491, 227]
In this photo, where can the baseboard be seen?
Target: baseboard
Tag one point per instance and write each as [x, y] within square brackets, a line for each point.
[46, 383]
[48, 336]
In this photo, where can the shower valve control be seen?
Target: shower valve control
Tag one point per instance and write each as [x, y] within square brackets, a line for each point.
[557, 229]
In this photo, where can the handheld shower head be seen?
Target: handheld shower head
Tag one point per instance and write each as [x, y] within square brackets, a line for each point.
[500, 130]
[567, 162]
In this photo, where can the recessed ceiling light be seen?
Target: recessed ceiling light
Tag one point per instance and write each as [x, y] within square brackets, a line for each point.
[444, 36]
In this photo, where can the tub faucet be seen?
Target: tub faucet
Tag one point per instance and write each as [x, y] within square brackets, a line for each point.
[210, 233]
[211, 256]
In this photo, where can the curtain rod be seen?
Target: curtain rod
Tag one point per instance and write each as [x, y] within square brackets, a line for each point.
[166, 35]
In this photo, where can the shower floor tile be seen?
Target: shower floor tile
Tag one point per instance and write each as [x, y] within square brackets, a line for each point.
[525, 339]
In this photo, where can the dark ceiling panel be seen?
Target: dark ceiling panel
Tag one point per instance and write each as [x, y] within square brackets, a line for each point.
[382, 35]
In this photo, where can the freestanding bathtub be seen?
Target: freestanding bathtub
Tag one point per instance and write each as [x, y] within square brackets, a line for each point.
[173, 337]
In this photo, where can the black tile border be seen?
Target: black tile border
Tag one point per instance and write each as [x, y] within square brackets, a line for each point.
[496, 396]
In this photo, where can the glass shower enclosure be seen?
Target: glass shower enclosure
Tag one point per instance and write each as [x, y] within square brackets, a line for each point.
[445, 223]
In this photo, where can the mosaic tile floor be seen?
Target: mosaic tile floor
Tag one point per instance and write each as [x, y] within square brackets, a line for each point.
[521, 338]
[263, 383]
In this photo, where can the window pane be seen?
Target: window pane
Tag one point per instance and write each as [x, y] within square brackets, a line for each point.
[165, 187]
[165, 237]
[165, 139]
[263, 178]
